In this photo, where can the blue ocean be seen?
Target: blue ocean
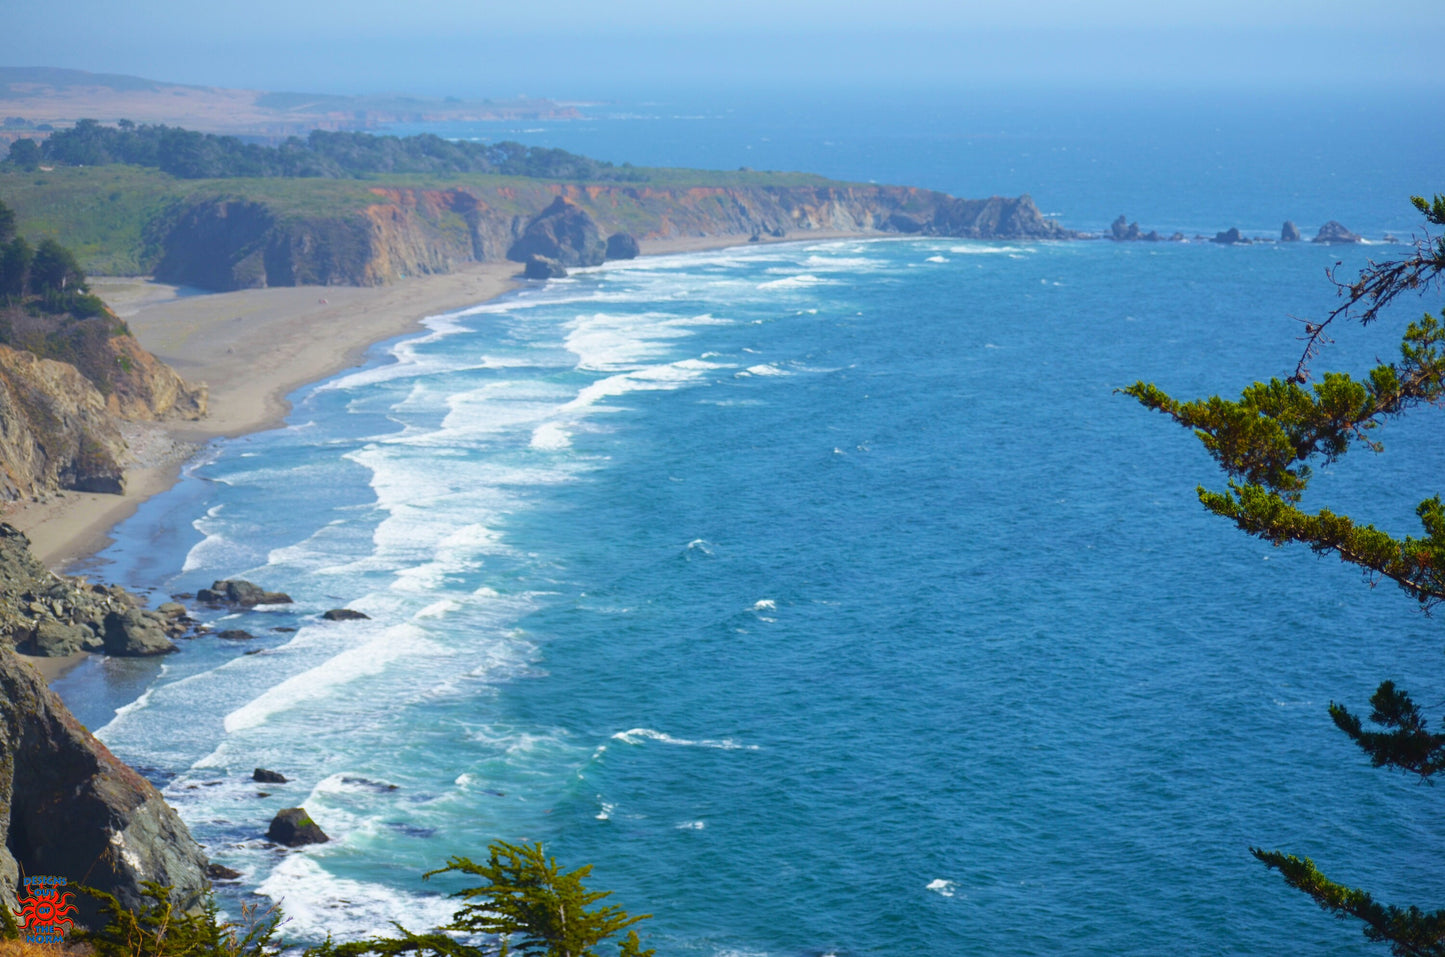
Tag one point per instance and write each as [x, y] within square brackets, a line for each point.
[825, 596]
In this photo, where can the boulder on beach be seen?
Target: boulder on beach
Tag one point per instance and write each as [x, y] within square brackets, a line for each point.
[623, 246]
[294, 828]
[544, 267]
[136, 634]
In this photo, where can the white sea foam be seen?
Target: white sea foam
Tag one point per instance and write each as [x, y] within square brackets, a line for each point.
[368, 658]
[766, 369]
[690, 826]
[643, 735]
[765, 604]
[936, 259]
[318, 903]
[941, 886]
[793, 282]
[982, 250]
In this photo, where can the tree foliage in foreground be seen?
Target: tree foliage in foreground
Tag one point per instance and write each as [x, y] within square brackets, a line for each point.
[160, 929]
[1265, 441]
[527, 905]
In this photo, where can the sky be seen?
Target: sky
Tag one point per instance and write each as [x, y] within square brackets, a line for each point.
[580, 49]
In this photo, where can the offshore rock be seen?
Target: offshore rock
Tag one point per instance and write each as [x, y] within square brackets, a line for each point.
[136, 634]
[268, 777]
[563, 231]
[622, 246]
[74, 810]
[1121, 230]
[345, 614]
[1289, 232]
[543, 267]
[238, 591]
[1230, 237]
[1333, 233]
[294, 828]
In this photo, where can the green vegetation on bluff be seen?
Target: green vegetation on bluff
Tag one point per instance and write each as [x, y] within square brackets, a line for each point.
[117, 216]
[187, 154]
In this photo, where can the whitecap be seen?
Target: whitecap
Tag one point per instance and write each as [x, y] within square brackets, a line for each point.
[550, 437]
[942, 887]
[643, 735]
[368, 658]
[793, 282]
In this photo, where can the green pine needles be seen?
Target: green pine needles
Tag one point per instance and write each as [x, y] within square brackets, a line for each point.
[526, 905]
[1265, 441]
[161, 929]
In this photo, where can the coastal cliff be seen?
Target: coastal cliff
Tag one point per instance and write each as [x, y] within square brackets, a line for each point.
[70, 374]
[233, 243]
[72, 809]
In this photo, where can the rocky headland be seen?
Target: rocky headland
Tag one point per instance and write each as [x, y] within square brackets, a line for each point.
[71, 808]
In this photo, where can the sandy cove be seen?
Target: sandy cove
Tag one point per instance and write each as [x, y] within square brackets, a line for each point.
[253, 348]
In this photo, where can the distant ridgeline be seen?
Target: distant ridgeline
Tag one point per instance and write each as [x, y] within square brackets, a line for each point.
[187, 154]
[357, 209]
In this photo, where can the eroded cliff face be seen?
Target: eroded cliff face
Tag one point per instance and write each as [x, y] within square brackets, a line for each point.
[58, 418]
[55, 431]
[70, 808]
[233, 244]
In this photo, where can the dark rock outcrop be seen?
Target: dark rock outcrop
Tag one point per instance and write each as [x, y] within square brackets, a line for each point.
[1230, 237]
[1333, 233]
[1289, 232]
[623, 246]
[241, 593]
[1121, 230]
[543, 267]
[345, 614]
[136, 634]
[45, 614]
[235, 634]
[268, 777]
[563, 231]
[294, 828]
[72, 809]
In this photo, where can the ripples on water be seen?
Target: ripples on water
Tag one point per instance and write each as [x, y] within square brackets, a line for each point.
[824, 596]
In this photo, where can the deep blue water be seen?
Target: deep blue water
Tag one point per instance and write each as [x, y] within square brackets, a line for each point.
[824, 596]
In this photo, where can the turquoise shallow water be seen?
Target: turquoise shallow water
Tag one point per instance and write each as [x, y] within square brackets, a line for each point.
[824, 596]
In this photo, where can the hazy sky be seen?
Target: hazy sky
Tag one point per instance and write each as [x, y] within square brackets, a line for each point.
[587, 48]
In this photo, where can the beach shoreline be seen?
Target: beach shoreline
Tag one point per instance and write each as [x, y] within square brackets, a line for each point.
[253, 348]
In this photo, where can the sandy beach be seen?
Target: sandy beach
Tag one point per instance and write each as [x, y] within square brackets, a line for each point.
[252, 348]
